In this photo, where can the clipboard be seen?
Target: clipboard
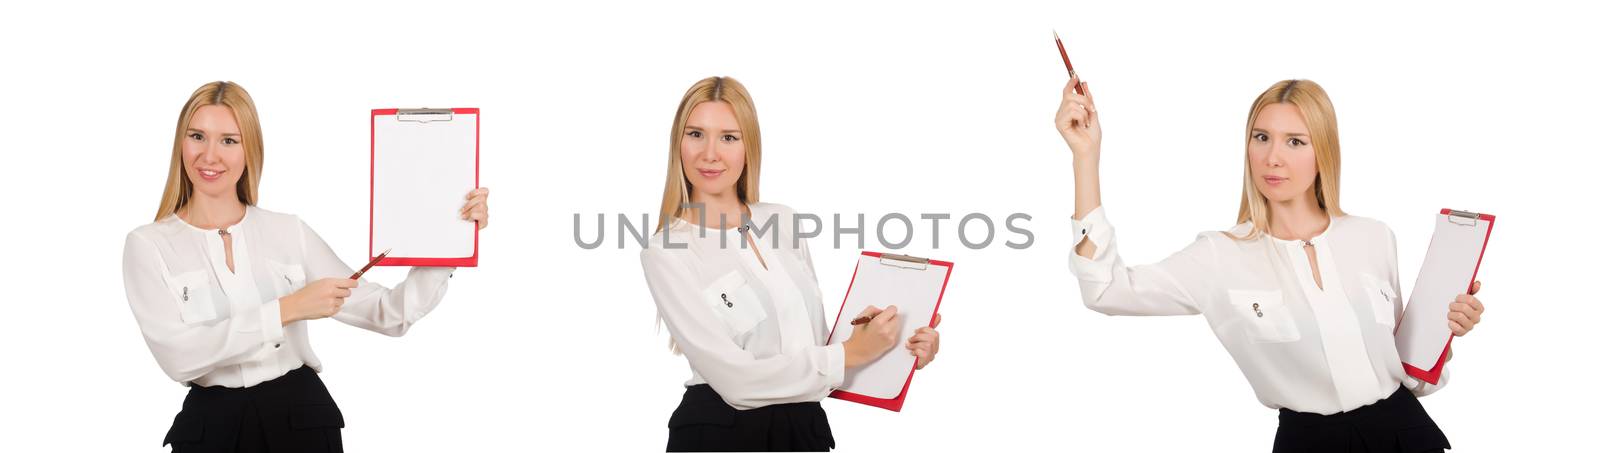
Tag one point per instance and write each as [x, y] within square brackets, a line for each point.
[1450, 267]
[914, 285]
[424, 162]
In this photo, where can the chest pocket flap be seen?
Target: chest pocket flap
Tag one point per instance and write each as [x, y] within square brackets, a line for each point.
[735, 302]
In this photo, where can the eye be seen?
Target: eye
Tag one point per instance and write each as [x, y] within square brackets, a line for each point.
[1296, 142]
[1260, 137]
[196, 136]
[730, 138]
[230, 141]
[693, 134]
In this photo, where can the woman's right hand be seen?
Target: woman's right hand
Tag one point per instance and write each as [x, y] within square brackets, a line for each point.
[871, 340]
[1078, 121]
[320, 299]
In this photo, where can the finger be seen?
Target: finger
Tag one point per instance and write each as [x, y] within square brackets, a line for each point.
[936, 319]
[886, 316]
[870, 311]
[341, 293]
[473, 203]
[478, 192]
[1475, 287]
[1477, 305]
[1077, 115]
[1464, 310]
[1071, 83]
[345, 283]
[1457, 329]
[1088, 95]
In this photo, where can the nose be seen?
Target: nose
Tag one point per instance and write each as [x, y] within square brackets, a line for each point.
[708, 151]
[1275, 154]
[208, 151]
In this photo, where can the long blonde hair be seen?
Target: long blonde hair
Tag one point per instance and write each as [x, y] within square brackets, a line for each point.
[228, 94]
[712, 89]
[1317, 109]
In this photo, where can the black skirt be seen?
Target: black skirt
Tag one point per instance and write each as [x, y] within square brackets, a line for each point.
[1396, 424]
[292, 413]
[703, 422]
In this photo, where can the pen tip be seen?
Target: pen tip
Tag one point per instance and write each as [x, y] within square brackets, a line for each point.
[386, 251]
[1057, 35]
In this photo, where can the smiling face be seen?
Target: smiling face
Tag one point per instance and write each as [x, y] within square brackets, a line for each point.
[712, 151]
[1283, 164]
[213, 152]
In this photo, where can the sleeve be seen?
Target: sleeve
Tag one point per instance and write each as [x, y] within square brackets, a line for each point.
[1164, 288]
[744, 381]
[372, 306]
[184, 351]
[1417, 386]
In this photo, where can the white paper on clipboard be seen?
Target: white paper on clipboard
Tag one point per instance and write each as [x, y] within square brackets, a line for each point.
[1459, 239]
[880, 281]
[424, 162]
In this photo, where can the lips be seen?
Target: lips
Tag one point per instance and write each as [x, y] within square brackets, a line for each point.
[1274, 180]
[210, 174]
[710, 174]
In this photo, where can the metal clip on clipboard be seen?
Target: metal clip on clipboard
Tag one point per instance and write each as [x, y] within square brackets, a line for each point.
[1463, 218]
[903, 261]
[424, 115]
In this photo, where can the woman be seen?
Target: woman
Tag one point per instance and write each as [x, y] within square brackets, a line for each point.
[746, 310]
[1304, 297]
[221, 288]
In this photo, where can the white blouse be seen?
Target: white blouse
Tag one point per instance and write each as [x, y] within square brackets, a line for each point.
[1309, 349]
[755, 334]
[210, 326]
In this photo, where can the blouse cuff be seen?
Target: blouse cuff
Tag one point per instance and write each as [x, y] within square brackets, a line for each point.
[272, 323]
[1096, 228]
[835, 365]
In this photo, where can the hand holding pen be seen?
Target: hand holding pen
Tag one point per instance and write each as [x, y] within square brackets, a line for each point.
[873, 337]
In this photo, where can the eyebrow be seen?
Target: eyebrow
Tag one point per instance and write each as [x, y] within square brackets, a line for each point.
[725, 131]
[1291, 134]
[235, 134]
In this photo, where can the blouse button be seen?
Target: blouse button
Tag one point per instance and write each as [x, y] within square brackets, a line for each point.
[725, 300]
[1257, 308]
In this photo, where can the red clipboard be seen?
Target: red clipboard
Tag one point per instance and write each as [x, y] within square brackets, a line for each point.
[898, 401]
[1433, 374]
[399, 258]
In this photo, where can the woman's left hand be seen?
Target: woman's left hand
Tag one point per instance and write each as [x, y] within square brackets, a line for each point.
[925, 343]
[477, 207]
[1466, 311]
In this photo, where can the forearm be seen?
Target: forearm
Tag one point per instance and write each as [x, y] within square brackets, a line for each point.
[1086, 194]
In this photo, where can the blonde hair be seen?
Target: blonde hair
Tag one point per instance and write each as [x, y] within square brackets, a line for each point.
[1317, 110]
[712, 89]
[228, 94]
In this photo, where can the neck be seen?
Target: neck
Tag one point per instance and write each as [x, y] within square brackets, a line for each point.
[211, 212]
[721, 210]
[1299, 218]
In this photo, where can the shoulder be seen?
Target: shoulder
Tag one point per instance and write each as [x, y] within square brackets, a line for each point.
[758, 211]
[656, 250]
[161, 228]
[1365, 227]
[273, 219]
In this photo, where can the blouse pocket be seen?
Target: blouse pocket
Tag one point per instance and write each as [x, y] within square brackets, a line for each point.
[735, 303]
[1382, 298]
[1266, 318]
[287, 278]
[192, 290]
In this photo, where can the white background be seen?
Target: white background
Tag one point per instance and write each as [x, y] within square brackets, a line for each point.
[868, 109]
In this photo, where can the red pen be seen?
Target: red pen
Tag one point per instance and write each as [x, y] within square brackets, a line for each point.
[369, 265]
[1068, 61]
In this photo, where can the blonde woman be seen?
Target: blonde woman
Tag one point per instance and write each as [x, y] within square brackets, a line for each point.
[742, 304]
[1303, 296]
[224, 291]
